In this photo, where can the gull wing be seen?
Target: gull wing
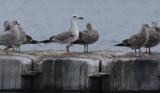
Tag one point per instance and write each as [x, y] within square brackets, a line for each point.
[137, 40]
[7, 38]
[61, 37]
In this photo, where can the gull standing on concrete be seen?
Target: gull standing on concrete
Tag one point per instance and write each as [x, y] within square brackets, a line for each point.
[68, 36]
[88, 36]
[22, 37]
[154, 37]
[10, 36]
[138, 40]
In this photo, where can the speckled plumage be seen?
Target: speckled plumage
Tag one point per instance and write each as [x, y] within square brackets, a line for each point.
[138, 40]
[88, 36]
[154, 37]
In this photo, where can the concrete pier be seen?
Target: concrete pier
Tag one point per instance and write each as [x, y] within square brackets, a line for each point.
[11, 68]
[133, 74]
[78, 71]
[65, 73]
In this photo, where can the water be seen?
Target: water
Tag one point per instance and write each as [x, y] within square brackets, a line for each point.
[114, 19]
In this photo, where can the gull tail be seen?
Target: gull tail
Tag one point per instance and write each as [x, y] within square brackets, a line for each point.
[45, 41]
[35, 42]
[120, 44]
[50, 40]
[124, 43]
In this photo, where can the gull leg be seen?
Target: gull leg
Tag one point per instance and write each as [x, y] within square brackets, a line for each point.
[146, 50]
[139, 51]
[19, 48]
[84, 48]
[149, 51]
[87, 48]
[67, 47]
[135, 52]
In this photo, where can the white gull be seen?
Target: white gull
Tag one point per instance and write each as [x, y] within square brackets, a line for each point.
[68, 36]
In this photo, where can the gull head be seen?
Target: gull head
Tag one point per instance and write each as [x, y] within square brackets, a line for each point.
[6, 25]
[75, 17]
[145, 26]
[89, 26]
[154, 24]
[10, 24]
[14, 22]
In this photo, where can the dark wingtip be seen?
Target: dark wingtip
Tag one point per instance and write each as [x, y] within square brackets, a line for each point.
[120, 44]
[50, 39]
[34, 42]
[45, 41]
[81, 18]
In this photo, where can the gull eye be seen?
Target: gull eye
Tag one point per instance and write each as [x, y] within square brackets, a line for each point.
[74, 16]
[16, 22]
[5, 23]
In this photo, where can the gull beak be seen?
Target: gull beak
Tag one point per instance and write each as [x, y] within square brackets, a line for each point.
[80, 18]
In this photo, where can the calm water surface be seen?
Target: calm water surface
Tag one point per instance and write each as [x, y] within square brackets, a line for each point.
[114, 19]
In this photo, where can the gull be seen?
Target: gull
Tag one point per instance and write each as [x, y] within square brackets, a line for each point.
[137, 40]
[10, 35]
[29, 40]
[20, 34]
[154, 37]
[68, 36]
[22, 37]
[86, 37]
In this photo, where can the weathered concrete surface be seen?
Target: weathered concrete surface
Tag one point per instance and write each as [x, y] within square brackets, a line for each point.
[11, 68]
[65, 73]
[131, 74]
[56, 70]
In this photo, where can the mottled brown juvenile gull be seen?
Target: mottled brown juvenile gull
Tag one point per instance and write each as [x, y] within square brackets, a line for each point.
[138, 40]
[154, 37]
[68, 36]
[88, 36]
